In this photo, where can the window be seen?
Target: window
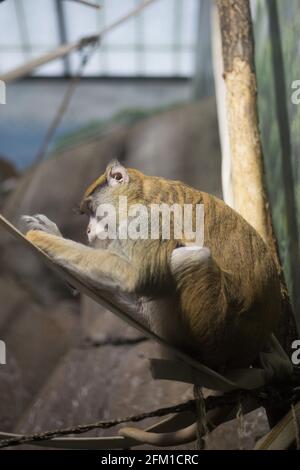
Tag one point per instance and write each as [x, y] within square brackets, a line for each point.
[158, 42]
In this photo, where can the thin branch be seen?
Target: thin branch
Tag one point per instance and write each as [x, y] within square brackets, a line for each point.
[121, 309]
[72, 85]
[65, 49]
[87, 3]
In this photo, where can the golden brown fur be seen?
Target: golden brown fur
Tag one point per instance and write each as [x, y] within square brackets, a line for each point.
[221, 307]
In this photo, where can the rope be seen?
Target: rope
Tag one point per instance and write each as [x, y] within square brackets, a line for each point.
[206, 404]
[241, 426]
[92, 41]
[82, 428]
[210, 403]
[202, 428]
[74, 82]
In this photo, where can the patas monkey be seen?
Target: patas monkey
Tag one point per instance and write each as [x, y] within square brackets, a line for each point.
[219, 302]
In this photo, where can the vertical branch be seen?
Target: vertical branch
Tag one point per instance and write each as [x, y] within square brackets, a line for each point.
[247, 172]
[238, 58]
[221, 107]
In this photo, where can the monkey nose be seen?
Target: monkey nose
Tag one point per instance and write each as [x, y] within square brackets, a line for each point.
[88, 230]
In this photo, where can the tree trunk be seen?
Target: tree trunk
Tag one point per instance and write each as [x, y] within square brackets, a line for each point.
[221, 107]
[247, 172]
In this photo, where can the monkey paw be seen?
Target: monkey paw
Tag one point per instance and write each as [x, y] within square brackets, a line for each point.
[40, 222]
[189, 255]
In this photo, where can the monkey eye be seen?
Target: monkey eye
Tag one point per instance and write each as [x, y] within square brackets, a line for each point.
[117, 176]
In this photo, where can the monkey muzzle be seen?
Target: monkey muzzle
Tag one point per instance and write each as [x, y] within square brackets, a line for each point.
[91, 230]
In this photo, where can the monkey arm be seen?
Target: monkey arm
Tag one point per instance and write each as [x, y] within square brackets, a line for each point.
[102, 267]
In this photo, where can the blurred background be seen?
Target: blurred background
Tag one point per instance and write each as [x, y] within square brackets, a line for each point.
[146, 64]
[146, 97]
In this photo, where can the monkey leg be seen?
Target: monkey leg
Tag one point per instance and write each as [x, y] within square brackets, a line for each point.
[102, 267]
[202, 288]
[199, 279]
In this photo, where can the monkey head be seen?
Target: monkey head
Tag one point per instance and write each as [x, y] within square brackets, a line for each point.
[105, 193]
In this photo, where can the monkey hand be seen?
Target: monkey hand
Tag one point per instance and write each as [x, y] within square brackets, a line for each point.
[40, 222]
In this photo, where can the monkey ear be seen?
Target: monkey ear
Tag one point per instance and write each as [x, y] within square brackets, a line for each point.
[116, 174]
